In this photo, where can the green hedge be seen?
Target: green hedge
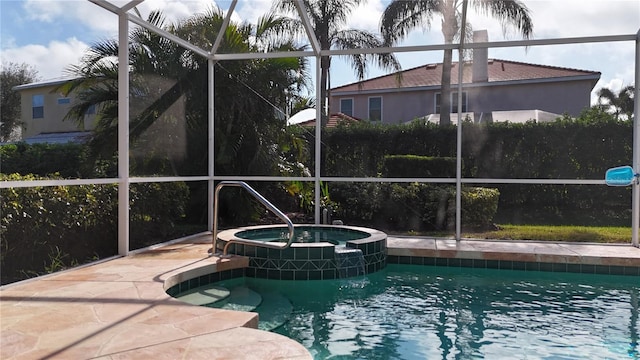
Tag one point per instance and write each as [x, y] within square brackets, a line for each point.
[583, 148]
[413, 206]
[67, 160]
[418, 166]
[48, 228]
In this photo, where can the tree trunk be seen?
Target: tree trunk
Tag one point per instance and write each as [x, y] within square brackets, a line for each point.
[445, 95]
[324, 65]
[449, 30]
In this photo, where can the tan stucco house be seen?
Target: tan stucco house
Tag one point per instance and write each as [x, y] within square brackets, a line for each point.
[43, 109]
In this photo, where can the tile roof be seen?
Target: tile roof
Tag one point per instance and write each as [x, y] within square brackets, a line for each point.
[333, 121]
[59, 137]
[498, 70]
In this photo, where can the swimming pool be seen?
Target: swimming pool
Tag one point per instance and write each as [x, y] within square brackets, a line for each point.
[428, 312]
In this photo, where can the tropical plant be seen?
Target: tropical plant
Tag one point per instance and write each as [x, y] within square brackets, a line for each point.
[300, 103]
[169, 87]
[328, 19]
[402, 16]
[620, 103]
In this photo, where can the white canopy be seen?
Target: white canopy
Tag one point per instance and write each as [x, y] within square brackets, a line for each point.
[302, 116]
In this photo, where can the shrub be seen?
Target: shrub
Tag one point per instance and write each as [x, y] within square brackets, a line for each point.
[479, 206]
[413, 206]
[156, 208]
[416, 166]
[582, 148]
[48, 228]
[358, 203]
[67, 160]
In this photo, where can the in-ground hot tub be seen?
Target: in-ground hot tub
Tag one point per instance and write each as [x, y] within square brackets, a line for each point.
[319, 252]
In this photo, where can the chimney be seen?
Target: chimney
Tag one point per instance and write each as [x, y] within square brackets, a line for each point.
[480, 57]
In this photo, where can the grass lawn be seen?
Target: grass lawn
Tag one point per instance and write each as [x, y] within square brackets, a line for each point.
[555, 233]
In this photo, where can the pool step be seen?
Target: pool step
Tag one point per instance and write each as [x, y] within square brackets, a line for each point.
[204, 295]
[274, 311]
[273, 308]
[241, 298]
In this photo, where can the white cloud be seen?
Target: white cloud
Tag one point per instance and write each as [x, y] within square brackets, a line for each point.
[45, 11]
[367, 16]
[175, 11]
[569, 18]
[92, 16]
[250, 11]
[51, 60]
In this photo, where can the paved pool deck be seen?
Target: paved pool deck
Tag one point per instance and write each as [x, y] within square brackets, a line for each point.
[118, 308]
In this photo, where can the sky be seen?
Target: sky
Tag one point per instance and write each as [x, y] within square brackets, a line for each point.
[52, 35]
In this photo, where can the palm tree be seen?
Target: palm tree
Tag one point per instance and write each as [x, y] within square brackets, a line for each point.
[328, 18]
[164, 74]
[620, 103]
[401, 16]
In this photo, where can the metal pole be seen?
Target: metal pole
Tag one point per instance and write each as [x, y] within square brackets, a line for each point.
[635, 197]
[459, 127]
[123, 133]
[318, 140]
[210, 142]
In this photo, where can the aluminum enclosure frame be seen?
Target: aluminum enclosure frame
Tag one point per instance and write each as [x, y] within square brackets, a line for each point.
[125, 16]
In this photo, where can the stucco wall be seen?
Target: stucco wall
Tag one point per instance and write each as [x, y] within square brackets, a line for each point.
[401, 106]
[54, 113]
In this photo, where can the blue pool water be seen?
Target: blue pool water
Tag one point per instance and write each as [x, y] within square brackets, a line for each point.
[423, 312]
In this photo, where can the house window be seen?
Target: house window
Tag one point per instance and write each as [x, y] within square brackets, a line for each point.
[37, 104]
[375, 109]
[346, 106]
[454, 102]
[64, 101]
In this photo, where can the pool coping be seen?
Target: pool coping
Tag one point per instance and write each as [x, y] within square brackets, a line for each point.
[118, 308]
[528, 255]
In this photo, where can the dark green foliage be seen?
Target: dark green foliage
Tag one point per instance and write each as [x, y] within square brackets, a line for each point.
[68, 160]
[45, 229]
[418, 166]
[359, 150]
[359, 203]
[11, 75]
[49, 228]
[169, 102]
[582, 148]
[413, 206]
[479, 206]
[156, 208]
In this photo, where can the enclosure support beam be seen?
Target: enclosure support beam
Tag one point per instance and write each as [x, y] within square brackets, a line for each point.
[635, 203]
[123, 133]
[318, 156]
[459, 127]
[210, 142]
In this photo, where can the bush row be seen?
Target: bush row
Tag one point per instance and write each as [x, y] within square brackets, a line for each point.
[565, 149]
[48, 228]
[413, 206]
[68, 160]
[418, 166]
